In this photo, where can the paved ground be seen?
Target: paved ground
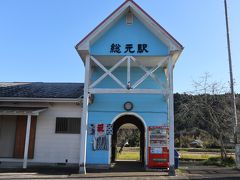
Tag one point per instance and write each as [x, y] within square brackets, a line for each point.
[211, 172]
[121, 171]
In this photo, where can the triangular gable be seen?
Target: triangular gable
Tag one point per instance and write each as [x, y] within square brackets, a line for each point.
[114, 41]
[84, 45]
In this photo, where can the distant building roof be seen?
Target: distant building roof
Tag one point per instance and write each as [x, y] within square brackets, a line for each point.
[41, 90]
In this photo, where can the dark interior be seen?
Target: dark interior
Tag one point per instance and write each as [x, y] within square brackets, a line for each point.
[124, 120]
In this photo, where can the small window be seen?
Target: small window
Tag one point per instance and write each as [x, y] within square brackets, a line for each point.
[129, 18]
[68, 125]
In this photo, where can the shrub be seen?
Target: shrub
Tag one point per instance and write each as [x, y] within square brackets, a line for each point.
[229, 161]
[213, 161]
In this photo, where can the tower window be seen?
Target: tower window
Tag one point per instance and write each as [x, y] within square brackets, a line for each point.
[129, 18]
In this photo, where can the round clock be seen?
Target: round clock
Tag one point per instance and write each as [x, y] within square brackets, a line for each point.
[128, 106]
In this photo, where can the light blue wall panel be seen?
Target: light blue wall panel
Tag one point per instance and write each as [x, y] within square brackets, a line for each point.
[151, 107]
[96, 117]
[121, 33]
[154, 119]
[142, 103]
[98, 157]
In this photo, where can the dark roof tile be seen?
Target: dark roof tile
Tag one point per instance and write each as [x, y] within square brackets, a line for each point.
[41, 90]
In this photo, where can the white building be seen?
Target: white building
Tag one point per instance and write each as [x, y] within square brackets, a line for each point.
[45, 117]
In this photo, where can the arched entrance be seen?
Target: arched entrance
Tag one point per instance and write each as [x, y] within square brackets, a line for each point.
[128, 119]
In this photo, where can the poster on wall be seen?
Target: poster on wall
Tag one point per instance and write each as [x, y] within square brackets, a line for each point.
[100, 134]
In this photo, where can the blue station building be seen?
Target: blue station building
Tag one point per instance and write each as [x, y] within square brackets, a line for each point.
[129, 60]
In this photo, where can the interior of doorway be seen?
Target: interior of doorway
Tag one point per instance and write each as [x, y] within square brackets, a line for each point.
[128, 143]
[135, 122]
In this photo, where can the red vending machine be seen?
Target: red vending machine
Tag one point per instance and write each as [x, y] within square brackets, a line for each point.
[158, 152]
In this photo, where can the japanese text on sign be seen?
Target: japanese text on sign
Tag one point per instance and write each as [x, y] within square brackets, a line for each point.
[129, 48]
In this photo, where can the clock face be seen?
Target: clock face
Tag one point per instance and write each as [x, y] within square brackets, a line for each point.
[128, 106]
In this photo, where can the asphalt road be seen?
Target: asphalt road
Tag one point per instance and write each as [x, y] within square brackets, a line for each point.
[125, 170]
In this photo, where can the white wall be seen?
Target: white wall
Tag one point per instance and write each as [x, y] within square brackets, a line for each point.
[55, 148]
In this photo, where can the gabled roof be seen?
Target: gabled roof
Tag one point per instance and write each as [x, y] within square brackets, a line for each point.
[83, 46]
[41, 90]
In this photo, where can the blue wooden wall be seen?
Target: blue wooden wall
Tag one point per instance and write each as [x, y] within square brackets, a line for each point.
[151, 107]
[122, 34]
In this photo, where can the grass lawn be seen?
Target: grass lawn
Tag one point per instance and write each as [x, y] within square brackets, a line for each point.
[128, 156]
[129, 153]
[206, 158]
[132, 153]
[201, 155]
[197, 156]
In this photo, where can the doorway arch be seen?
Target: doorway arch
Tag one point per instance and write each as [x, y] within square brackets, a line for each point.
[136, 120]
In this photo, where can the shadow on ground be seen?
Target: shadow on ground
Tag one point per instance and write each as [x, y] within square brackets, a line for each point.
[121, 170]
[122, 166]
[49, 170]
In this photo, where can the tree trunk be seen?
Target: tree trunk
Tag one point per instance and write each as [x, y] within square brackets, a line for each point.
[223, 150]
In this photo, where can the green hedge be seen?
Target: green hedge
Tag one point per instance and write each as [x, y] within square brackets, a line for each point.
[229, 161]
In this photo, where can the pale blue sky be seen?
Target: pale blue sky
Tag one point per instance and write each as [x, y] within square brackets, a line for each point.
[37, 38]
